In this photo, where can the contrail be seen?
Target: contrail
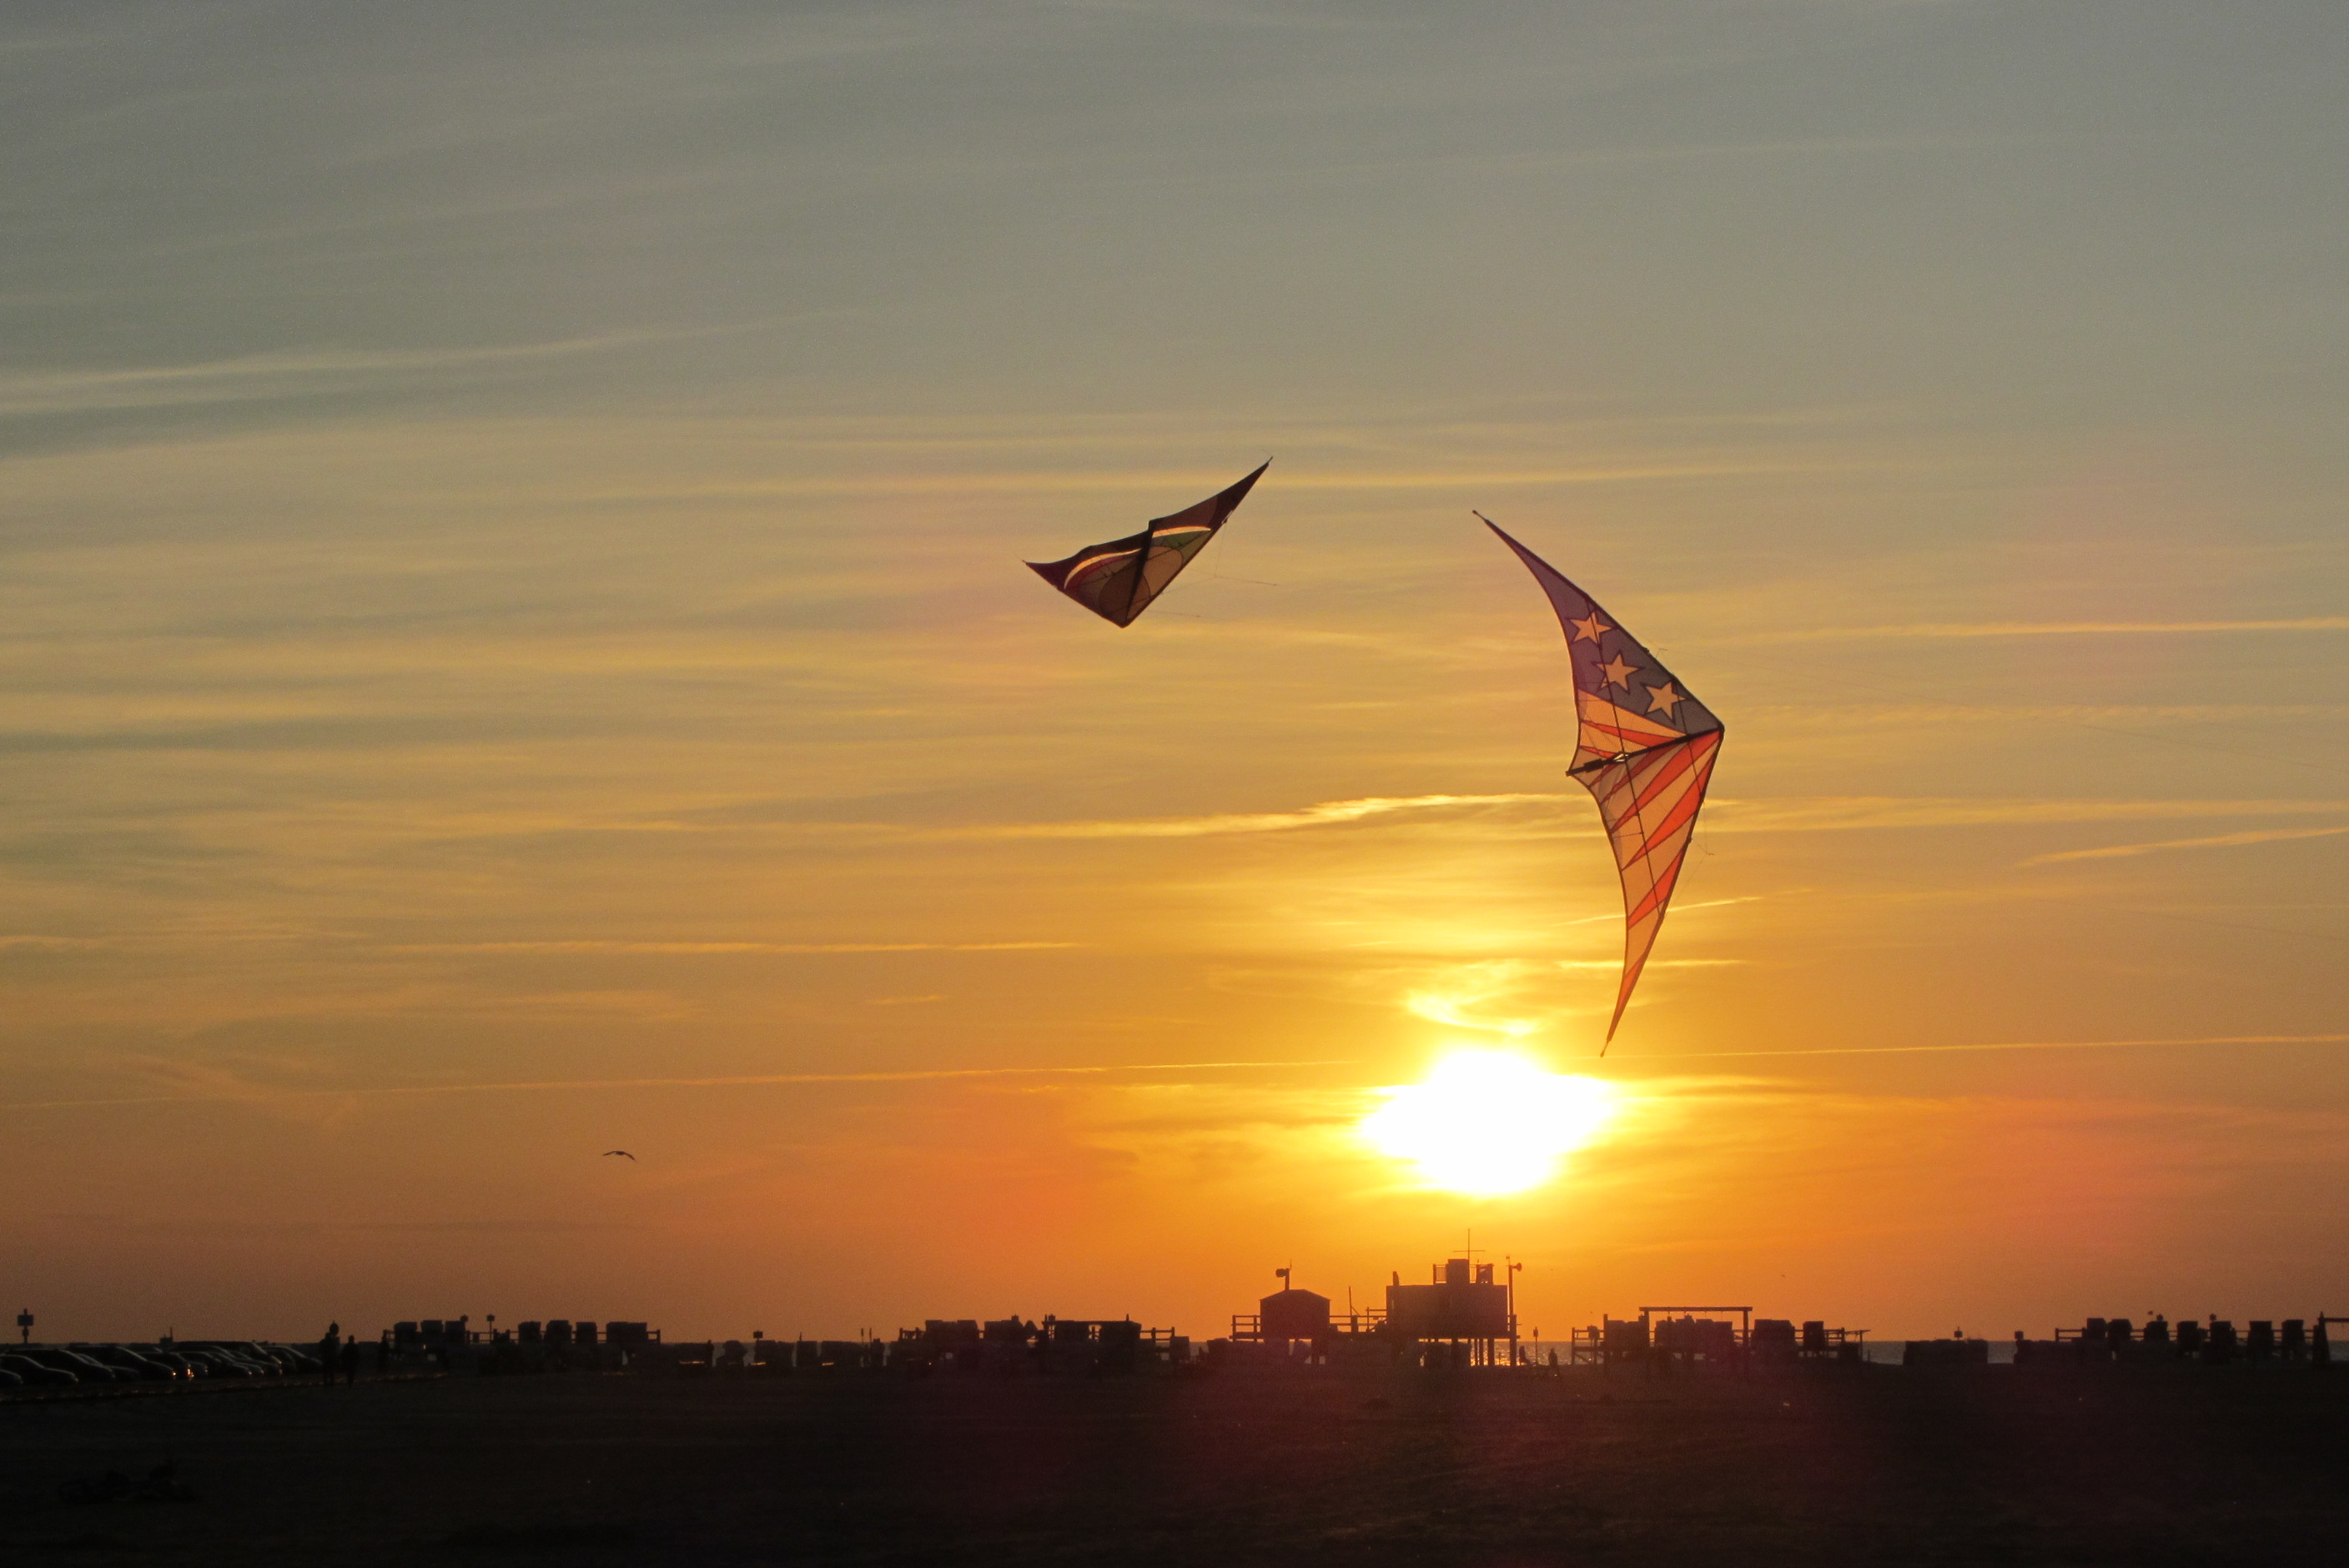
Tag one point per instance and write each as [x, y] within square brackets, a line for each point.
[914, 1076]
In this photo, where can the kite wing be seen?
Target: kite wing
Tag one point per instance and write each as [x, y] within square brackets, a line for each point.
[1644, 750]
[1118, 580]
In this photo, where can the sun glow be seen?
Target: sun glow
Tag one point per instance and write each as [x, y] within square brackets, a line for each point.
[1489, 1122]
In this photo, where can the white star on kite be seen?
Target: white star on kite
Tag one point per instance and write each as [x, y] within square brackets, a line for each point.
[1663, 699]
[1588, 627]
[1617, 673]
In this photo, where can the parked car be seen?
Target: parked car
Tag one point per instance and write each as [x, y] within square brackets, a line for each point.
[80, 1366]
[246, 1356]
[9, 1380]
[156, 1358]
[187, 1366]
[128, 1360]
[274, 1358]
[219, 1363]
[36, 1372]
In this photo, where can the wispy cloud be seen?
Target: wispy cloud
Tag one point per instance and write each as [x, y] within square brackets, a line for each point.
[1486, 816]
[2217, 842]
[1133, 482]
[1454, 1011]
[1795, 814]
[2045, 629]
[1827, 813]
[1678, 910]
[2182, 1042]
[244, 1226]
[224, 1089]
[1323, 814]
[692, 949]
[286, 374]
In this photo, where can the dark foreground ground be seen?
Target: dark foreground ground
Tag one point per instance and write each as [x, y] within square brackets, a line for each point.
[2125, 1466]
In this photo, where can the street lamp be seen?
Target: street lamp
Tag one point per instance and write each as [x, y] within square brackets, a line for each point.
[1510, 1275]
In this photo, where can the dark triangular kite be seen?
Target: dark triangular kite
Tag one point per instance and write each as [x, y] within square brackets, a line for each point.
[1117, 581]
[1645, 752]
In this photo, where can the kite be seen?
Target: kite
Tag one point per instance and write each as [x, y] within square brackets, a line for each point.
[1645, 752]
[1117, 581]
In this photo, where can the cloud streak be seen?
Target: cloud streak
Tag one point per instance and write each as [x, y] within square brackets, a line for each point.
[1834, 814]
[262, 376]
[2217, 842]
[1129, 481]
[1791, 814]
[1323, 814]
[2186, 1041]
[695, 949]
[254, 1094]
[1787, 815]
[1945, 629]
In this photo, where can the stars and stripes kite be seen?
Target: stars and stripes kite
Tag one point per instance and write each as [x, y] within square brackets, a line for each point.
[1117, 581]
[1645, 752]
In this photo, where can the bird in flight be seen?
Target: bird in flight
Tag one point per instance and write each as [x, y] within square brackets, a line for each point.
[621, 1153]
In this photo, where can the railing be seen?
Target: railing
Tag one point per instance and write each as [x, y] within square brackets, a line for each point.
[1250, 1324]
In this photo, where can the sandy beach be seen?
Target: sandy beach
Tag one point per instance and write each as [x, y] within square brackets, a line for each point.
[1846, 1465]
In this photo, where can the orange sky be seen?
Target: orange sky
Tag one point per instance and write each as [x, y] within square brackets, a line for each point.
[514, 648]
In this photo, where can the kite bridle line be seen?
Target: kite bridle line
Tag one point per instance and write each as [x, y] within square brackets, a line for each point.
[1577, 773]
[1141, 573]
[1150, 542]
[1640, 815]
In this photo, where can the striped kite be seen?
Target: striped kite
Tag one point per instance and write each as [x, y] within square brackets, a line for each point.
[1117, 581]
[1645, 752]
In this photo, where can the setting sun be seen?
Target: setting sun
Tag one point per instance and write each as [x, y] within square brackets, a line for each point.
[1489, 1122]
